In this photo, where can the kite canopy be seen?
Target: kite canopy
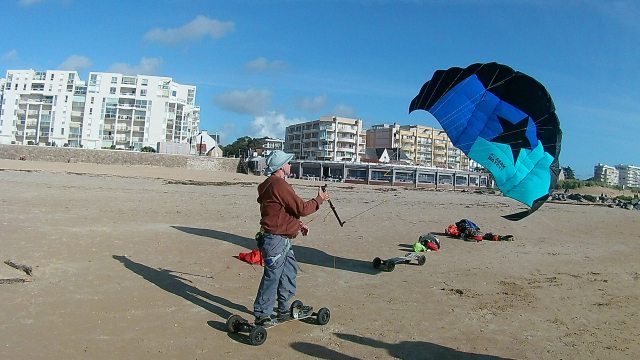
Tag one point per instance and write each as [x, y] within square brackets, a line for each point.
[503, 119]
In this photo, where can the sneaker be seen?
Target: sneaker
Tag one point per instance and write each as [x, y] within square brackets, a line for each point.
[262, 320]
[282, 317]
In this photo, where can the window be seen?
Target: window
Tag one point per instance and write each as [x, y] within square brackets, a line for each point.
[50, 87]
[24, 87]
[173, 93]
[112, 90]
[62, 131]
[92, 99]
[114, 80]
[143, 92]
[16, 88]
[52, 75]
[90, 111]
[145, 82]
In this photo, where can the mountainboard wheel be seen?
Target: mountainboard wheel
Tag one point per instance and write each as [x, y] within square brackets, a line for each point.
[377, 262]
[391, 266]
[258, 336]
[421, 260]
[323, 316]
[295, 308]
[233, 323]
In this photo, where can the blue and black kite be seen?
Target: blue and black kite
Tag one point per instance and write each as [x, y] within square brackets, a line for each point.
[504, 120]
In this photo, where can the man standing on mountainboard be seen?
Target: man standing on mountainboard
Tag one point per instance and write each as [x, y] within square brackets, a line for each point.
[280, 210]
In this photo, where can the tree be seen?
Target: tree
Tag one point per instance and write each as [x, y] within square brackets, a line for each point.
[241, 146]
[568, 173]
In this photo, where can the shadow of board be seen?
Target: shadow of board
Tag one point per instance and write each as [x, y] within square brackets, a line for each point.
[405, 350]
[168, 281]
[304, 254]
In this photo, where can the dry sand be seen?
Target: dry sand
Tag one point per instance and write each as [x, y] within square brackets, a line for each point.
[128, 265]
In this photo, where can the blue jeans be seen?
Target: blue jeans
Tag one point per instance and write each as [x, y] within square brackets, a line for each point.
[279, 277]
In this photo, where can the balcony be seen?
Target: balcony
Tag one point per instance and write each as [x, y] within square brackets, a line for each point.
[347, 139]
[127, 93]
[123, 128]
[77, 113]
[138, 128]
[44, 134]
[108, 127]
[124, 117]
[107, 137]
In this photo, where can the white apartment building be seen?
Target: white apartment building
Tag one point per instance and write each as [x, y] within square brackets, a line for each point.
[55, 107]
[628, 175]
[606, 174]
[331, 138]
[424, 145]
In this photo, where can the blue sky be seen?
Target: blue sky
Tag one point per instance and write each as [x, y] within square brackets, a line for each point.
[261, 65]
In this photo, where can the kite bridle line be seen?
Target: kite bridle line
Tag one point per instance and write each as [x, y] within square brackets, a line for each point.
[333, 208]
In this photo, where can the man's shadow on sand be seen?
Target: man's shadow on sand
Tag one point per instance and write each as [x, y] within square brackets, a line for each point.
[405, 350]
[304, 254]
[168, 281]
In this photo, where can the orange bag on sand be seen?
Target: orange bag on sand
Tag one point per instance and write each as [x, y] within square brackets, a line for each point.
[254, 257]
[452, 230]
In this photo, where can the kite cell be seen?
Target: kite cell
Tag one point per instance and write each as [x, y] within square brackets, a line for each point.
[503, 119]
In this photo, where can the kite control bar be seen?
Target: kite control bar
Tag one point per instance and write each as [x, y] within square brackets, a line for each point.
[324, 188]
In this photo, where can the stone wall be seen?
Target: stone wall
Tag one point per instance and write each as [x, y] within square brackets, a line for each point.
[116, 157]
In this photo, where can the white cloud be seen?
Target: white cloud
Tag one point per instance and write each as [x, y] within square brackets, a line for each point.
[344, 111]
[315, 104]
[193, 31]
[147, 66]
[29, 2]
[76, 63]
[250, 102]
[271, 125]
[13, 54]
[261, 64]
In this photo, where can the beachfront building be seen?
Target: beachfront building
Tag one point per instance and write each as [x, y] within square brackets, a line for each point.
[629, 175]
[606, 174]
[110, 110]
[330, 138]
[424, 145]
[269, 145]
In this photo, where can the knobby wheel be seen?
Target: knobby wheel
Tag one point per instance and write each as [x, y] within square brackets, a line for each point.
[391, 266]
[258, 335]
[323, 316]
[421, 260]
[233, 323]
[377, 262]
[295, 308]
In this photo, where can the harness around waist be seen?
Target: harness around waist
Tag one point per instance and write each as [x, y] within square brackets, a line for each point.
[270, 260]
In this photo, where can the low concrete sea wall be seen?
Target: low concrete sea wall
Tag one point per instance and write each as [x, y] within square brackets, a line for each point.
[116, 157]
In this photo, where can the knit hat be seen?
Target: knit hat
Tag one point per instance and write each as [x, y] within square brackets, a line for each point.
[276, 160]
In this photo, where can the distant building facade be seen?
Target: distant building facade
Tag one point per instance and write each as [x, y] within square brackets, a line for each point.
[425, 146]
[269, 145]
[606, 174]
[629, 175]
[110, 109]
[330, 138]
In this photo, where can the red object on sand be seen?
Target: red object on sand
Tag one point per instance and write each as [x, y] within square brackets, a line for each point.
[254, 257]
[432, 246]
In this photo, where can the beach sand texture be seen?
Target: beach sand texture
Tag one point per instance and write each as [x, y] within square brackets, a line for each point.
[138, 263]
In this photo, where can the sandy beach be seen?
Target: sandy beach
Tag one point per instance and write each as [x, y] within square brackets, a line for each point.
[139, 263]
